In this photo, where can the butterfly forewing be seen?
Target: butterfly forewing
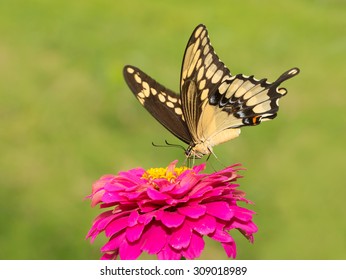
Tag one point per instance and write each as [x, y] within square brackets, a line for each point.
[162, 103]
[201, 74]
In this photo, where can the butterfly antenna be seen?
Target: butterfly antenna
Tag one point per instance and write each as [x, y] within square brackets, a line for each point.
[169, 145]
[175, 145]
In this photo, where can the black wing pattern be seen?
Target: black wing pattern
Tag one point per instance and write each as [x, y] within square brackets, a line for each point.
[162, 103]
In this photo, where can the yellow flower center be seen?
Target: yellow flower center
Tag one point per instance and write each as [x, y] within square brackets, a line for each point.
[164, 173]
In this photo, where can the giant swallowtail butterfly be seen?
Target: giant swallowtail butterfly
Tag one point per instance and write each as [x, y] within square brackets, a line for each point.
[213, 104]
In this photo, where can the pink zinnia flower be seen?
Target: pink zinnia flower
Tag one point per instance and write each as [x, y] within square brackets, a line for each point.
[168, 211]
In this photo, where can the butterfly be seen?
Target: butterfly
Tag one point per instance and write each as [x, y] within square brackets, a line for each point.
[213, 104]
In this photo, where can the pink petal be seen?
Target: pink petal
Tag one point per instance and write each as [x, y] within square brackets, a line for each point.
[99, 184]
[115, 226]
[133, 233]
[133, 175]
[219, 209]
[221, 236]
[181, 237]
[205, 225]
[156, 195]
[171, 219]
[101, 225]
[195, 248]
[248, 228]
[110, 256]
[168, 253]
[171, 166]
[109, 197]
[230, 249]
[174, 202]
[97, 197]
[153, 239]
[199, 190]
[192, 211]
[168, 187]
[113, 187]
[133, 218]
[242, 213]
[199, 168]
[134, 195]
[147, 206]
[95, 230]
[147, 217]
[232, 171]
[187, 182]
[129, 251]
[114, 243]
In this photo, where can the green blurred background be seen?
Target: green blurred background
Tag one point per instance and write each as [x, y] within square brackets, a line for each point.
[67, 117]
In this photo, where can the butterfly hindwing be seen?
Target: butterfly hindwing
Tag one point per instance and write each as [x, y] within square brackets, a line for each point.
[162, 103]
[250, 100]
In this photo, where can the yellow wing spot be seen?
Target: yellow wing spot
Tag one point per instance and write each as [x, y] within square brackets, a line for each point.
[138, 79]
[130, 70]
[196, 45]
[141, 95]
[178, 111]
[193, 63]
[146, 90]
[201, 84]
[229, 78]
[162, 98]
[198, 31]
[263, 107]
[206, 49]
[141, 100]
[203, 33]
[153, 91]
[257, 89]
[199, 63]
[258, 98]
[208, 60]
[233, 88]
[172, 99]
[217, 76]
[211, 71]
[244, 88]
[223, 88]
[204, 41]
[170, 104]
[204, 94]
[200, 73]
[293, 72]
[282, 91]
